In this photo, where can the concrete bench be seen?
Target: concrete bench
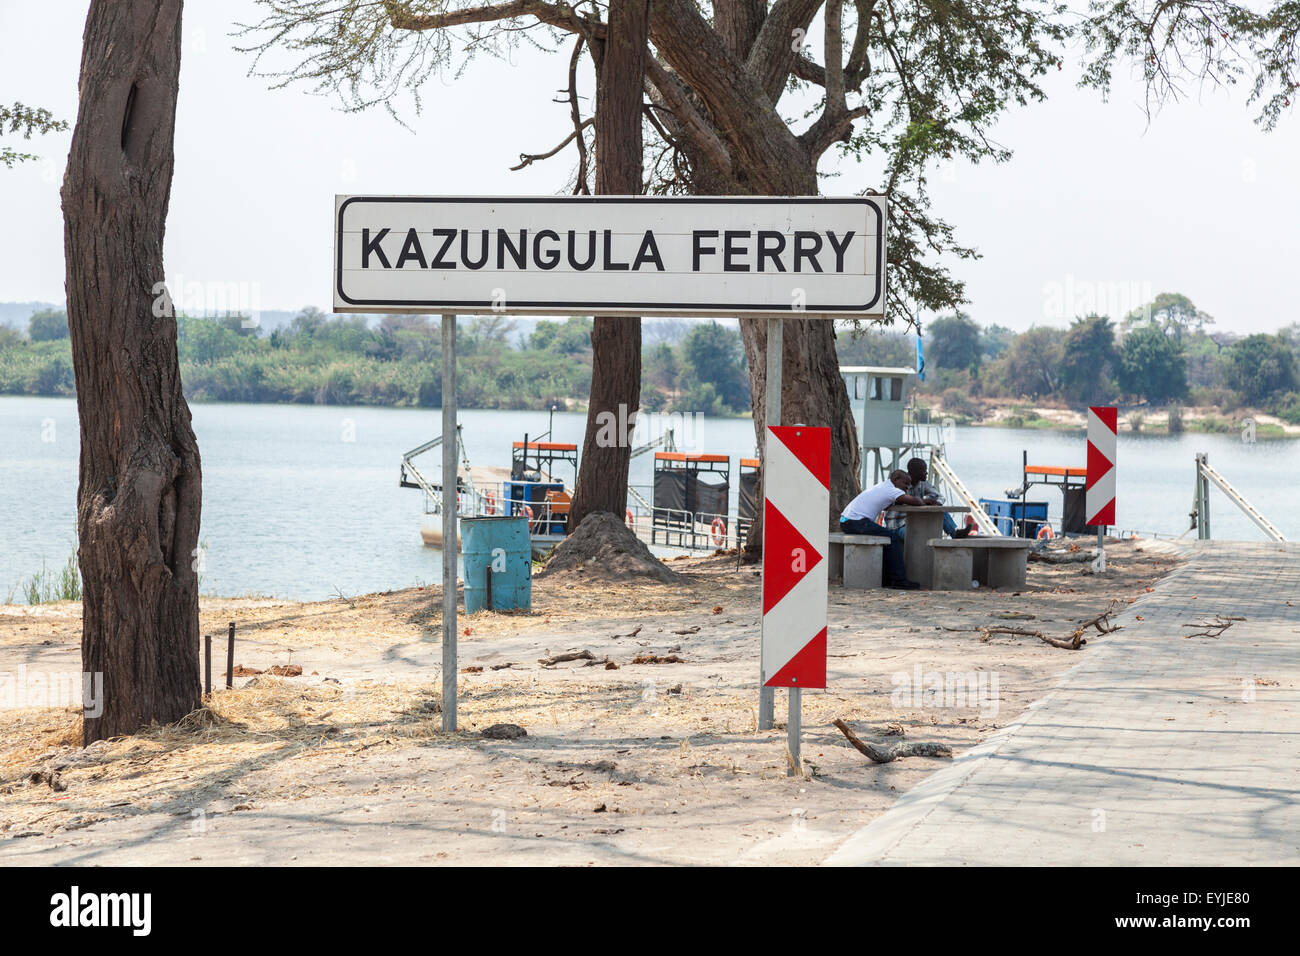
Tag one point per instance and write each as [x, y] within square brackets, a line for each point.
[857, 558]
[994, 562]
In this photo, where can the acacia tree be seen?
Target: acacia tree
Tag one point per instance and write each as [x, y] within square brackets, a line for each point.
[25, 120]
[139, 491]
[900, 85]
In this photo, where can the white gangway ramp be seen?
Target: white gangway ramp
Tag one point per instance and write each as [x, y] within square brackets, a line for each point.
[1251, 512]
[949, 478]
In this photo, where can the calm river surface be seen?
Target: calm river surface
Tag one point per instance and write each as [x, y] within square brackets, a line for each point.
[302, 501]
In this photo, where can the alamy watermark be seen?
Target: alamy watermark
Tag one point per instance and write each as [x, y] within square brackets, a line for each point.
[1074, 298]
[945, 690]
[625, 428]
[59, 689]
[243, 299]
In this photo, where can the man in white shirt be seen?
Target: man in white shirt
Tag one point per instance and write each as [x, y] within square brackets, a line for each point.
[862, 517]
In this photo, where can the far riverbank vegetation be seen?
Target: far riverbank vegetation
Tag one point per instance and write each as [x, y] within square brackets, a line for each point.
[1166, 363]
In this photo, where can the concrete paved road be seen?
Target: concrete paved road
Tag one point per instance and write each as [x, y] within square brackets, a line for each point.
[1156, 749]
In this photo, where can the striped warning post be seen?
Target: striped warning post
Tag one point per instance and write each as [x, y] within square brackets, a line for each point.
[796, 506]
[1099, 498]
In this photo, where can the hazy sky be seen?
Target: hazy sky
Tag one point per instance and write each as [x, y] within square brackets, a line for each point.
[1097, 209]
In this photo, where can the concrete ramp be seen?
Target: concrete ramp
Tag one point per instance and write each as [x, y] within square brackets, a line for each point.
[1157, 748]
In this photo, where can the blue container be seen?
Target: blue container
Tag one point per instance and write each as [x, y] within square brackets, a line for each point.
[503, 547]
[532, 493]
[1007, 513]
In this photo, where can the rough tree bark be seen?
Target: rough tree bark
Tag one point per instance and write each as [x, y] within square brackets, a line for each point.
[139, 493]
[746, 58]
[811, 393]
[615, 342]
[717, 86]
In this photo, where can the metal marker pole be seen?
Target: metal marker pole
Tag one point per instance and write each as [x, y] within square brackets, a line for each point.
[1101, 547]
[775, 328]
[449, 541]
[230, 658]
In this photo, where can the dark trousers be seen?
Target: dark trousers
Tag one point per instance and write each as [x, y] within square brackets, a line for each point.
[893, 551]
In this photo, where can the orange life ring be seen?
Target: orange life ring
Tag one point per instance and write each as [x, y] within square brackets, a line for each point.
[719, 532]
[491, 502]
[528, 513]
[628, 519]
[1045, 533]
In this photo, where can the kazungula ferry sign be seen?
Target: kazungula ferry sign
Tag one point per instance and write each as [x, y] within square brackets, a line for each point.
[611, 255]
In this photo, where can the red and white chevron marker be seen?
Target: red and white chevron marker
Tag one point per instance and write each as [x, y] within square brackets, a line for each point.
[796, 503]
[1099, 498]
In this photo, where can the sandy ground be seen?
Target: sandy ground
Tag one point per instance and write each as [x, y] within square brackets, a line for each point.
[622, 762]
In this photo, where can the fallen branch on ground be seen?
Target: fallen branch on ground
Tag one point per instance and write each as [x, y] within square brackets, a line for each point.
[570, 656]
[1072, 643]
[1102, 621]
[890, 754]
[1213, 628]
[657, 658]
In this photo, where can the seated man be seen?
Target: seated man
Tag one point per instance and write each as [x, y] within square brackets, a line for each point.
[918, 473]
[860, 518]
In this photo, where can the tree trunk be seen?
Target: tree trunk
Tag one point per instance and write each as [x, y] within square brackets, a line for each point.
[615, 342]
[139, 492]
[767, 160]
[812, 393]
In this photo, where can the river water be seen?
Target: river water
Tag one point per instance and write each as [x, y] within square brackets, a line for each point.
[302, 501]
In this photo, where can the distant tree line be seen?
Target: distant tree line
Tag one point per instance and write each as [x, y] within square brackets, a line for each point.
[1164, 353]
[351, 360]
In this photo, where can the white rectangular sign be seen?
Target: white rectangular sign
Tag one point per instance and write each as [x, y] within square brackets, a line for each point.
[815, 257]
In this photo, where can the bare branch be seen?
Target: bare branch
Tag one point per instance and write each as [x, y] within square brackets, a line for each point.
[580, 187]
[675, 100]
[774, 51]
[527, 159]
[834, 56]
[558, 15]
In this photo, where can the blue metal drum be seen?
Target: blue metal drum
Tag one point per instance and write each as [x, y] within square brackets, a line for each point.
[503, 547]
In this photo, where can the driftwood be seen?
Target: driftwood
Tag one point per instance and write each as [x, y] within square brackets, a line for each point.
[570, 656]
[1072, 643]
[892, 753]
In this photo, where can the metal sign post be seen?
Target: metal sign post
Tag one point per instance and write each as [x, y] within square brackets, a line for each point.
[450, 486]
[775, 336]
[796, 499]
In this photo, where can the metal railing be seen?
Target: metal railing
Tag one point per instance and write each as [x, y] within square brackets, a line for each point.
[949, 479]
[1205, 475]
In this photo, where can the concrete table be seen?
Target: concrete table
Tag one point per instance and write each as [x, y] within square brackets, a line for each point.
[923, 522]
